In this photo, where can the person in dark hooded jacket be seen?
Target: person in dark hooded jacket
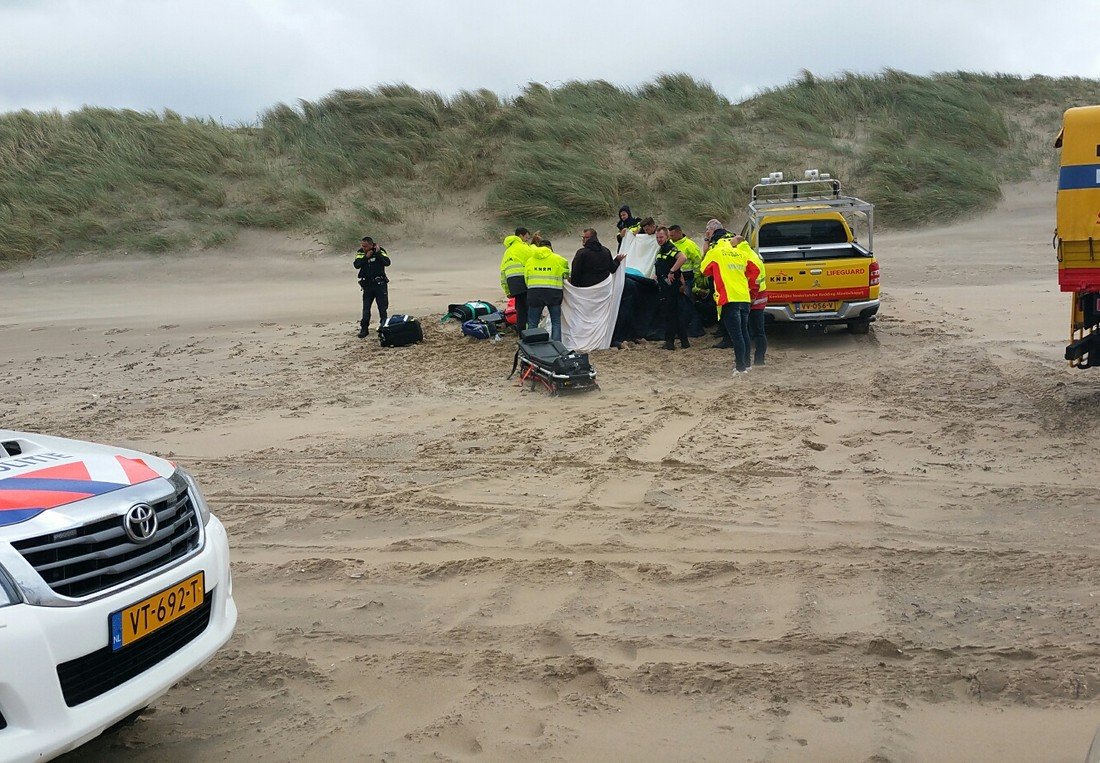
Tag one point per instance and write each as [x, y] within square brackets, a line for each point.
[626, 222]
[593, 263]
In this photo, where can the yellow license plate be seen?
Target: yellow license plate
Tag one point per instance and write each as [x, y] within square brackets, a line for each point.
[149, 615]
[815, 307]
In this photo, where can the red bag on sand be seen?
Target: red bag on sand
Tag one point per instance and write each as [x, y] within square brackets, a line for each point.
[510, 312]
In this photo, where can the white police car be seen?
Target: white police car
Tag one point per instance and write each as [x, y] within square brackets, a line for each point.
[114, 585]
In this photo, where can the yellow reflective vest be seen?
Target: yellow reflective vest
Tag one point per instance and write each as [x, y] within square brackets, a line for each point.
[726, 266]
[545, 271]
[691, 251]
[516, 253]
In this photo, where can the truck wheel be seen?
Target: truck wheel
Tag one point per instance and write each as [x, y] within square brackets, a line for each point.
[859, 327]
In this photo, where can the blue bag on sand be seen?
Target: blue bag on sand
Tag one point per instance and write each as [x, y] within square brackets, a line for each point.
[479, 329]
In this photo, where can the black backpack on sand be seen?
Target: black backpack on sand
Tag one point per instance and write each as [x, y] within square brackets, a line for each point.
[468, 311]
[399, 331]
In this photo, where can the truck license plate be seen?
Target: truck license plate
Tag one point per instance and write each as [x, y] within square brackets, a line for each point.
[815, 307]
[149, 615]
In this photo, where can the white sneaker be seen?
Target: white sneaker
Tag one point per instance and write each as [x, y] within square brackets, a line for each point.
[739, 373]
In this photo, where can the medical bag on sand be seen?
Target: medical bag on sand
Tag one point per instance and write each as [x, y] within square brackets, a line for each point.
[479, 329]
[510, 312]
[399, 331]
[541, 360]
[468, 311]
[486, 327]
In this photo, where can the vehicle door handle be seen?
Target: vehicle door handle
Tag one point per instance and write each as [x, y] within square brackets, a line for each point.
[815, 272]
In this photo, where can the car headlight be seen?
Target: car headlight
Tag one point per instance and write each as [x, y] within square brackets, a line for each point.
[196, 494]
[9, 594]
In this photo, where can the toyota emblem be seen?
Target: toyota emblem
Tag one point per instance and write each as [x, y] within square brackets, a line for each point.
[140, 523]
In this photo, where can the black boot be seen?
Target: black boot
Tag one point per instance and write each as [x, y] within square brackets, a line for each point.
[363, 331]
[684, 343]
[669, 344]
[725, 344]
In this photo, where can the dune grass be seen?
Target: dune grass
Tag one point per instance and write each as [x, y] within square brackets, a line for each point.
[922, 148]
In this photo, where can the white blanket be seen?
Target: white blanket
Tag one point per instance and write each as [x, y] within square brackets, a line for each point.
[588, 313]
[641, 253]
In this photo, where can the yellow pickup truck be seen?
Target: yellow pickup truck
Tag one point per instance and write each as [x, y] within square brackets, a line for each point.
[818, 272]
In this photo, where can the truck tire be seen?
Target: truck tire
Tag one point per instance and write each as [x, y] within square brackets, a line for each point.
[859, 327]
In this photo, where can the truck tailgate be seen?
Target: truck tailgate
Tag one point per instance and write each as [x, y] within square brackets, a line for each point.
[812, 282]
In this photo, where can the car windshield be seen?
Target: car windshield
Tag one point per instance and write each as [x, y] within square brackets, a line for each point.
[803, 232]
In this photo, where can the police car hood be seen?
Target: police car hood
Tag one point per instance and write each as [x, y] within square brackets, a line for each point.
[40, 473]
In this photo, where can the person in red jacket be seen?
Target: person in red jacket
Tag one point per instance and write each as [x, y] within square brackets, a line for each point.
[758, 290]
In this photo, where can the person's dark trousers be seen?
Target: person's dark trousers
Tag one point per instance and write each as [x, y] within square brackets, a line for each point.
[374, 293]
[745, 333]
[670, 311]
[757, 335]
[624, 323]
[735, 320]
[706, 309]
[534, 315]
[521, 311]
[689, 316]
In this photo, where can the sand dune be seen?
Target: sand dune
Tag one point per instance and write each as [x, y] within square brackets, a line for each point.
[875, 548]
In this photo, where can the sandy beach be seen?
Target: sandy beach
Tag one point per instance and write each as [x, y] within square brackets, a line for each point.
[875, 548]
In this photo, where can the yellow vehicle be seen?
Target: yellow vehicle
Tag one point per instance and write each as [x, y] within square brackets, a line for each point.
[818, 273]
[1077, 237]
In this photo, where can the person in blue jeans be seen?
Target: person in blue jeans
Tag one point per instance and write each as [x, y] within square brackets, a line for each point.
[735, 320]
[534, 316]
[545, 273]
[730, 268]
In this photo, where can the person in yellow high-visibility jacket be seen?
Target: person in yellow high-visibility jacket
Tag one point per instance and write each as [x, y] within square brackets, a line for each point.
[516, 252]
[545, 273]
[731, 268]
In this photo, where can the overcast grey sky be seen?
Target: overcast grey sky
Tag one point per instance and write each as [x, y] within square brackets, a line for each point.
[231, 59]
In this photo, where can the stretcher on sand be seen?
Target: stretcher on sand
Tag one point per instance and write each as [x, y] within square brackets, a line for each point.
[542, 360]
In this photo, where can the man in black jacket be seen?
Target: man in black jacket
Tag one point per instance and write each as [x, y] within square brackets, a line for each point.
[669, 288]
[371, 261]
[592, 263]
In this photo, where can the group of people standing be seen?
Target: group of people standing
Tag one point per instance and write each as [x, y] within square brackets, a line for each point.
[534, 274]
[675, 266]
[725, 269]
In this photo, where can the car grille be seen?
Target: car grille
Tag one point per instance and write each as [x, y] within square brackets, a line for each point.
[93, 674]
[100, 555]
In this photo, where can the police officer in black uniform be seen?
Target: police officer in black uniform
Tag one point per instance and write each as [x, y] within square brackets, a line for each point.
[371, 261]
[669, 288]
